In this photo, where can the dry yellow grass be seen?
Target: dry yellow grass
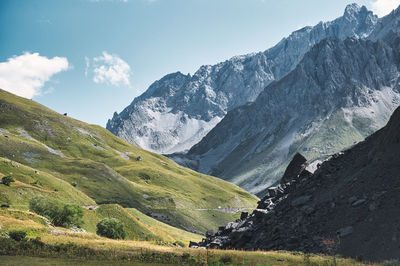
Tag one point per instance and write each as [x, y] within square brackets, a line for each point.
[63, 236]
[9, 222]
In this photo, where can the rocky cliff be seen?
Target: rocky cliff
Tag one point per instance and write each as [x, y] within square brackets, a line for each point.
[341, 91]
[349, 206]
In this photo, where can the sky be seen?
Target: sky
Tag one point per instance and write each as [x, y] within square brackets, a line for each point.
[90, 58]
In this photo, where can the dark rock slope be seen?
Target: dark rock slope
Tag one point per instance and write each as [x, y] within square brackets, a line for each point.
[351, 204]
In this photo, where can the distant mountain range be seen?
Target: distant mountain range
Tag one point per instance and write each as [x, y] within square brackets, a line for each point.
[178, 110]
[322, 89]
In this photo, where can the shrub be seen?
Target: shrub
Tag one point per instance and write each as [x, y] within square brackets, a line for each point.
[111, 228]
[17, 235]
[70, 215]
[36, 183]
[45, 207]
[180, 243]
[59, 214]
[7, 180]
[226, 259]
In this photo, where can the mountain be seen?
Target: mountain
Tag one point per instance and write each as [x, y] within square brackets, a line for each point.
[349, 206]
[386, 26]
[178, 110]
[62, 158]
[340, 92]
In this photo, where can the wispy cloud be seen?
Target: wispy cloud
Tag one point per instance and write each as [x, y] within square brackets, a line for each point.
[44, 21]
[109, 69]
[87, 62]
[25, 75]
[384, 7]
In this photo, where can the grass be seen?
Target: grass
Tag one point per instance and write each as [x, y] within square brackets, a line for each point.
[61, 246]
[59, 157]
[25, 260]
[138, 252]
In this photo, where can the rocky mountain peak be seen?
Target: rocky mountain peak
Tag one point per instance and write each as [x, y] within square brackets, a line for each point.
[353, 9]
[193, 105]
[341, 91]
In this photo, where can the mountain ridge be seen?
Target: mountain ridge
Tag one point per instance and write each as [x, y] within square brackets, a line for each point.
[349, 86]
[178, 110]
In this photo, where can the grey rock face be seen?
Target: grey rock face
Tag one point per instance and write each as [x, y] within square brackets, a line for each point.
[305, 216]
[340, 92]
[178, 110]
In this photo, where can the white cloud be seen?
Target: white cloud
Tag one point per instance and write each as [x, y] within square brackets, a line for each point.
[87, 62]
[384, 7]
[26, 74]
[109, 69]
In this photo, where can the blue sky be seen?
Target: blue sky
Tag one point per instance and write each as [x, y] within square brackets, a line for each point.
[90, 58]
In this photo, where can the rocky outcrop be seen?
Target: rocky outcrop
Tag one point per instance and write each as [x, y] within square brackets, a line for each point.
[349, 206]
[178, 110]
[294, 169]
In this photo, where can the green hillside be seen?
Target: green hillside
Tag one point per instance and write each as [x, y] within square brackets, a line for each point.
[62, 158]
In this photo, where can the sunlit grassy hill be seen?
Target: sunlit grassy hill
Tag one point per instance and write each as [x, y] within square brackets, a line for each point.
[58, 157]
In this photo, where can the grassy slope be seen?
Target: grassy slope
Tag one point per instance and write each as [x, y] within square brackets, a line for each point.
[105, 169]
[117, 249]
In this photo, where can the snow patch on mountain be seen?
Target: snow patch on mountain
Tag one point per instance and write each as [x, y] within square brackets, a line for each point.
[193, 105]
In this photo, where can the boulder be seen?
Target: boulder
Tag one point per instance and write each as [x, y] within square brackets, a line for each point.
[210, 233]
[193, 244]
[259, 213]
[300, 200]
[308, 209]
[295, 168]
[244, 215]
[358, 202]
[345, 231]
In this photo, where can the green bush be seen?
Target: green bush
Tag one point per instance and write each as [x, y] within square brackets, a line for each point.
[180, 243]
[17, 235]
[60, 214]
[111, 228]
[7, 180]
[226, 259]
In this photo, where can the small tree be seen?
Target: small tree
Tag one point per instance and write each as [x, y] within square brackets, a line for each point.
[59, 213]
[7, 180]
[17, 235]
[70, 215]
[111, 228]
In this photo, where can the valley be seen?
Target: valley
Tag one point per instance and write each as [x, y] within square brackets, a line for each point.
[288, 156]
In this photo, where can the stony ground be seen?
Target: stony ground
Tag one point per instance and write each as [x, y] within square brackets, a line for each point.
[349, 206]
